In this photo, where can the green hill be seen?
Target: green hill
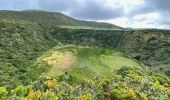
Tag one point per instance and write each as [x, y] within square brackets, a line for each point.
[53, 19]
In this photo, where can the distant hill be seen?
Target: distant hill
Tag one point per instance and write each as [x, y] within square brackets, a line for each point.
[53, 19]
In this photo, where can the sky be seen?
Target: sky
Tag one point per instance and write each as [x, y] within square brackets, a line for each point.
[124, 13]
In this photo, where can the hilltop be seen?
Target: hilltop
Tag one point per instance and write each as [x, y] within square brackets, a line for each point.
[53, 19]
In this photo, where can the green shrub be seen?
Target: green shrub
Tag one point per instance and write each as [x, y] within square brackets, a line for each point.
[3, 93]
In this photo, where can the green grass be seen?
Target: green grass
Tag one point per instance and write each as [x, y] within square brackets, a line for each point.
[86, 27]
[88, 61]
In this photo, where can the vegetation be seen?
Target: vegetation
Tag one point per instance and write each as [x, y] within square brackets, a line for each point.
[148, 46]
[54, 19]
[83, 62]
[126, 83]
[36, 63]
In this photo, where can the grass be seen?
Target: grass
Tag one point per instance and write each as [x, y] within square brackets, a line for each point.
[86, 27]
[84, 62]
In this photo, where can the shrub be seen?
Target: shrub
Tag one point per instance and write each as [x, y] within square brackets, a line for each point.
[34, 95]
[22, 90]
[3, 93]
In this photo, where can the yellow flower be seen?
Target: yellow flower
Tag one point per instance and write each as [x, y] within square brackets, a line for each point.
[143, 96]
[50, 83]
[86, 96]
[34, 95]
[82, 97]
[166, 85]
[131, 93]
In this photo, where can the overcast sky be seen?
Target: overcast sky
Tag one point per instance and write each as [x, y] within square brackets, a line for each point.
[125, 13]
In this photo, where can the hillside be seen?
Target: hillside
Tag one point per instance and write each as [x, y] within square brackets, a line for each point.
[118, 64]
[53, 19]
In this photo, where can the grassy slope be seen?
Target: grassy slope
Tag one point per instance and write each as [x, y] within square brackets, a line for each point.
[53, 19]
[89, 27]
[84, 62]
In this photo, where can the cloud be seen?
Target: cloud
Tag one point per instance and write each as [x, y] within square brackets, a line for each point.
[82, 9]
[96, 10]
[57, 5]
[17, 4]
[149, 6]
[161, 7]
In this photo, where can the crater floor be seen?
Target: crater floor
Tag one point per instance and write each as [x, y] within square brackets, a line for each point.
[84, 62]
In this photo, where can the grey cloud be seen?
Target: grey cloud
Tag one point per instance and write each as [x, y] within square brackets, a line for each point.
[164, 18]
[96, 10]
[17, 4]
[160, 6]
[83, 9]
[142, 9]
[57, 5]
